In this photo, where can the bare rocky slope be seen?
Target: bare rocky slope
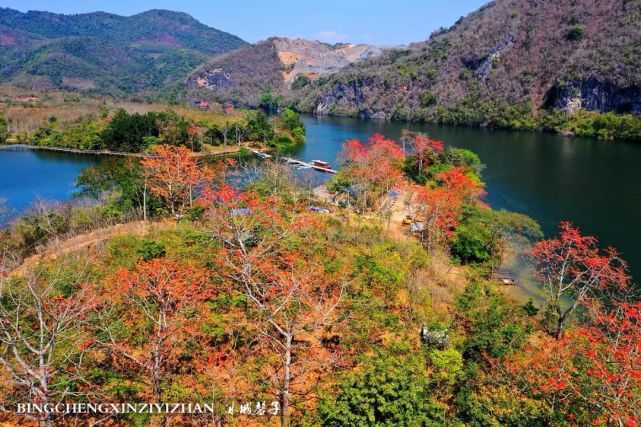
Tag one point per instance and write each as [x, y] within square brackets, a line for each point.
[510, 58]
[276, 65]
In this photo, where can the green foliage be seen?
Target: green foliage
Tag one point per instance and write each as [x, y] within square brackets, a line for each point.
[436, 163]
[448, 366]
[472, 243]
[575, 33]
[135, 132]
[300, 82]
[462, 157]
[258, 127]
[483, 234]
[150, 250]
[606, 126]
[529, 308]
[124, 132]
[107, 53]
[84, 135]
[492, 327]
[290, 121]
[271, 102]
[392, 389]
[122, 177]
[428, 99]
[4, 134]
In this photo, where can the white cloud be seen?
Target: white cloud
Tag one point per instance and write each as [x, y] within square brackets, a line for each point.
[332, 36]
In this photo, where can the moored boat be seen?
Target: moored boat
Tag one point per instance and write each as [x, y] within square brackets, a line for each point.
[321, 164]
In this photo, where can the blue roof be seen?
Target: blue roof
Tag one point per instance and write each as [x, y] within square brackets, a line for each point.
[240, 212]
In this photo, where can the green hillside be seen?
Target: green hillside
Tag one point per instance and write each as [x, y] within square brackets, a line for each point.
[104, 52]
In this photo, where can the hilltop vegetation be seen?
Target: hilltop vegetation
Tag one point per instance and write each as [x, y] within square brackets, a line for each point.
[105, 53]
[329, 319]
[511, 64]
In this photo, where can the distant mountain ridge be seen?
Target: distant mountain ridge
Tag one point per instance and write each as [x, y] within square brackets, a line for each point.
[507, 61]
[105, 52]
[276, 65]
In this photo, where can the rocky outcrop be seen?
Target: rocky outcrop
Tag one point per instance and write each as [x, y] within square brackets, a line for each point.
[483, 66]
[352, 98]
[215, 78]
[595, 95]
[273, 65]
[314, 59]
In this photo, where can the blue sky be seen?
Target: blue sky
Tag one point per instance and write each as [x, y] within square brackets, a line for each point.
[382, 22]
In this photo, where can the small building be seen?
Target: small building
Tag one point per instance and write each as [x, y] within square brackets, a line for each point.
[229, 108]
[204, 105]
[504, 276]
[240, 211]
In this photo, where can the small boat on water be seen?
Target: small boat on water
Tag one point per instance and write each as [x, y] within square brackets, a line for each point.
[321, 164]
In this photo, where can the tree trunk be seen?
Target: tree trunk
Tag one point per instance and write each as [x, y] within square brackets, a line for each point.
[156, 373]
[560, 322]
[144, 203]
[285, 394]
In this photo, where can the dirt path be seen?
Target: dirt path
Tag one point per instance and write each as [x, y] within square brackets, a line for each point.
[85, 242]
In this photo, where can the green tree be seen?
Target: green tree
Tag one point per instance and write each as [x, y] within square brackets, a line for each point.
[472, 243]
[392, 389]
[127, 132]
[493, 327]
[122, 177]
[258, 127]
[290, 121]
[214, 135]
[4, 134]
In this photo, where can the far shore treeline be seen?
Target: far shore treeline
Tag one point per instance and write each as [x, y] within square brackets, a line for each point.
[135, 132]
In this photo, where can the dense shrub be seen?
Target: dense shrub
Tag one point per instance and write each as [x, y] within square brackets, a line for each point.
[390, 390]
[575, 33]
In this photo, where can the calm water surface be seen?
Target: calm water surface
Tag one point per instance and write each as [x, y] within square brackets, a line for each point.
[29, 175]
[595, 184]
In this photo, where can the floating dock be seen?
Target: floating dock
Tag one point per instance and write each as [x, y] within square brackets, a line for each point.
[292, 161]
[308, 165]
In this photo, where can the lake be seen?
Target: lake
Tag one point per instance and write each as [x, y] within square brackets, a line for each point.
[595, 184]
[26, 176]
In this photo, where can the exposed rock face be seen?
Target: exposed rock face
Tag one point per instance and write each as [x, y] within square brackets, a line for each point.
[594, 95]
[273, 65]
[314, 59]
[508, 59]
[355, 92]
[484, 66]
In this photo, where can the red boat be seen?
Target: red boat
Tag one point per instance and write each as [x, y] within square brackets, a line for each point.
[321, 164]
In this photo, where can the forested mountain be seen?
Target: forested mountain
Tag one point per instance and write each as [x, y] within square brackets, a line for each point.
[275, 65]
[105, 52]
[501, 65]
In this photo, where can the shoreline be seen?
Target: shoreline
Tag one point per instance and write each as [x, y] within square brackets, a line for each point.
[28, 147]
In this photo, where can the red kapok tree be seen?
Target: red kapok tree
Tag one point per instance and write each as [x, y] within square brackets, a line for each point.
[573, 266]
